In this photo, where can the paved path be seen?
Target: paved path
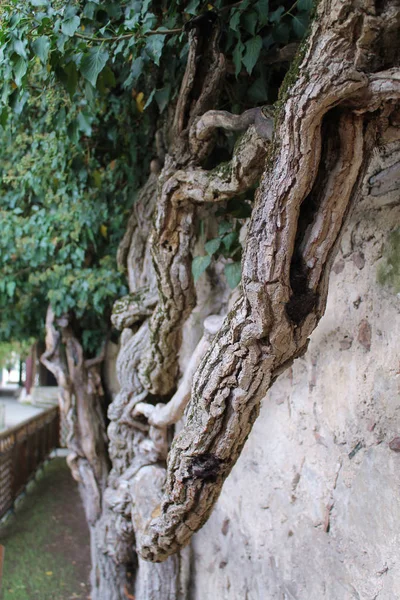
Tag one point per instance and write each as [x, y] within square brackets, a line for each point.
[47, 541]
[15, 412]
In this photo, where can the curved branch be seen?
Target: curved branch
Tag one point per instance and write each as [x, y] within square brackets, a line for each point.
[213, 119]
[164, 415]
[300, 212]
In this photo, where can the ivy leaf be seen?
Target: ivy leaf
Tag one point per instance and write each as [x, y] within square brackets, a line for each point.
[250, 22]
[69, 26]
[93, 63]
[275, 16]
[20, 68]
[233, 274]
[145, 7]
[11, 285]
[19, 48]
[281, 33]
[41, 47]
[235, 20]
[199, 265]
[230, 239]
[238, 56]
[71, 79]
[191, 8]
[224, 227]
[141, 106]
[300, 23]
[154, 47]
[137, 68]
[89, 10]
[84, 123]
[253, 49]
[212, 246]
[262, 7]
[305, 5]
[162, 97]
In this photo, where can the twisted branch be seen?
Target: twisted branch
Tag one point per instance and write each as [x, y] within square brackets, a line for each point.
[300, 211]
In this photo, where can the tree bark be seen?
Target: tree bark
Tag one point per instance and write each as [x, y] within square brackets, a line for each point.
[327, 128]
[80, 392]
[335, 106]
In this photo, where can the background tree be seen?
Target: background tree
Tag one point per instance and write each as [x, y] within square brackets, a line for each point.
[201, 71]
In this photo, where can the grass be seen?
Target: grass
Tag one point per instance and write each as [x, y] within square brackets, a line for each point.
[47, 541]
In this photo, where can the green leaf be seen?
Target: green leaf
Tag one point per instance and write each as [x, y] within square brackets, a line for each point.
[281, 33]
[191, 8]
[93, 63]
[72, 78]
[305, 5]
[69, 26]
[20, 68]
[4, 117]
[224, 227]
[137, 67]
[84, 123]
[262, 7]
[212, 246]
[238, 56]
[11, 285]
[250, 22]
[145, 7]
[253, 49]
[19, 48]
[230, 239]
[300, 24]
[162, 97]
[235, 20]
[154, 47]
[275, 16]
[89, 10]
[199, 265]
[233, 273]
[41, 47]
[149, 99]
[106, 80]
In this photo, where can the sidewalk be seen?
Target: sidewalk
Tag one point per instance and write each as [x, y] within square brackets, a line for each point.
[47, 549]
[16, 413]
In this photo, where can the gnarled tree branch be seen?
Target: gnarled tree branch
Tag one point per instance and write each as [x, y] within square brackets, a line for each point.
[323, 143]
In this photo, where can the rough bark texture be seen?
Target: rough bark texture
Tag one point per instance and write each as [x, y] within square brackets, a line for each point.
[337, 103]
[311, 509]
[324, 139]
[148, 361]
[80, 393]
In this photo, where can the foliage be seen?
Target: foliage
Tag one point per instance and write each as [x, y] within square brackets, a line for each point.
[11, 351]
[227, 244]
[63, 205]
[90, 44]
[84, 86]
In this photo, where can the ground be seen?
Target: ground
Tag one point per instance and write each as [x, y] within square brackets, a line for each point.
[47, 541]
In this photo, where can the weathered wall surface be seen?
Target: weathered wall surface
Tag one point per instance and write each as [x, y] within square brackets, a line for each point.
[312, 508]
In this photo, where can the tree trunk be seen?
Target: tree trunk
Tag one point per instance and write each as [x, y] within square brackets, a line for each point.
[336, 105]
[80, 393]
[326, 130]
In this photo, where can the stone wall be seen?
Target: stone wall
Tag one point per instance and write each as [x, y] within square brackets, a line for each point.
[312, 508]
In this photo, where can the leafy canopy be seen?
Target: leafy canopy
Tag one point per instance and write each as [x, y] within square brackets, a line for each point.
[83, 86]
